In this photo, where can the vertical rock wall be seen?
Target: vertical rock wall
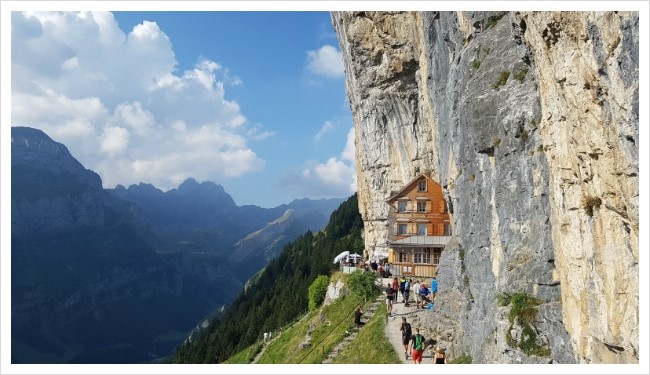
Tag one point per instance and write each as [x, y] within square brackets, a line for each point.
[528, 121]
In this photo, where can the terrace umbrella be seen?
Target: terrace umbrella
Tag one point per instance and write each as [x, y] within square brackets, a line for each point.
[341, 256]
[355, 257]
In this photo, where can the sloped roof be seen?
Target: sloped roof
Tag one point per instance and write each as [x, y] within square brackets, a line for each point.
[408, 185]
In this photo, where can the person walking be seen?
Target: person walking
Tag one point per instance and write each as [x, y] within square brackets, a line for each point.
[407, 291]
[434, 288]
[417, 345]
[440, 357]
[402, 283]
[389, 299]
[405, 327]
[357, 316]
[416, 294]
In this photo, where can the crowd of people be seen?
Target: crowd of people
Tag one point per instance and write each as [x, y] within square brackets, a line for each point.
[413, 342]
[411, 292]
[422, 295]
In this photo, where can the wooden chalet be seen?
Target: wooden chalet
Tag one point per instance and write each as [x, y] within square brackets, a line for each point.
[419, 228]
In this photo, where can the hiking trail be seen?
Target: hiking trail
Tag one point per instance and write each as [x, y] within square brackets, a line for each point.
[413, 316]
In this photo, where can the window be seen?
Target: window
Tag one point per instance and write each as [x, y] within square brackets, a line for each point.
[422, 229]
[402, 257]
[402, 228]
[436, 255]
[447, 229]
[422, 185]
[422, 256]
[422, 206]
[401, 206]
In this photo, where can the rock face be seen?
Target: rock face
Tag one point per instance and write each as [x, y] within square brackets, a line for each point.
[529, 121]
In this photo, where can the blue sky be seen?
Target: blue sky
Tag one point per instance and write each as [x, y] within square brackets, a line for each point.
[254, 101]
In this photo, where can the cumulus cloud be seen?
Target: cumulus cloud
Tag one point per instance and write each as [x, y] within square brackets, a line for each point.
[334, 178]
[121, 106]
[326, 61]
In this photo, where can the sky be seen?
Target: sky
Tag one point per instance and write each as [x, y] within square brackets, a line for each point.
[254, 101]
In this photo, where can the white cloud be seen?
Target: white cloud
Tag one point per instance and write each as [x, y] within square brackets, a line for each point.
[327, 127]
[114, 140]
[334, 178]
[350, 147]
[326, 61]
[118, 102]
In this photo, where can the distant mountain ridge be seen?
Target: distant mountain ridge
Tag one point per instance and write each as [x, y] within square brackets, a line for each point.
[122, 275]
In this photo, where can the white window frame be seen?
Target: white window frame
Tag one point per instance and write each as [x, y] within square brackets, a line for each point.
[422, 185]
[422, 206]
[420, 226]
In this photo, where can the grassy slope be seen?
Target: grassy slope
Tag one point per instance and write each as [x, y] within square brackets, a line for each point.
[338, 318]
[370, 345]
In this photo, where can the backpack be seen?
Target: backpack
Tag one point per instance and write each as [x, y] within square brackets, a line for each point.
[406, 331]
[418, 343]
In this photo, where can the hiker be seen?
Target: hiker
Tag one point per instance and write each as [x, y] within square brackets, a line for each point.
[373, 266]
[405, 327]
[389, 298]
[357, 316]
[387, 270]
[440, 357]
[424, 293]
[266, 337]
[434, 288]
[402, 283]
[416, 294]
[395, 288]
[407, 291]
[417, 345]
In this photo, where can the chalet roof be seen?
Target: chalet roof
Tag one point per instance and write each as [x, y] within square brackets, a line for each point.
[407, 186]
[421, 240]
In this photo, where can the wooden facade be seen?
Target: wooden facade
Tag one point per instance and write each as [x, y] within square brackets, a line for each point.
[419, 228]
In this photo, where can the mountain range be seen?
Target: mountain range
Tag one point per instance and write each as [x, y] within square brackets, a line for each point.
[122, 275]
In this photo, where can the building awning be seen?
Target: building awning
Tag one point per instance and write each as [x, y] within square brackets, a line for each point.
[413, 241]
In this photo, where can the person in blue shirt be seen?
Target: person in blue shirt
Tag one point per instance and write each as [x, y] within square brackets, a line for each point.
[434, 288]
[424, 293]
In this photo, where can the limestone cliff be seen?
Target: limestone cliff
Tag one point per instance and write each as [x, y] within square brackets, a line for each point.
[530, 123]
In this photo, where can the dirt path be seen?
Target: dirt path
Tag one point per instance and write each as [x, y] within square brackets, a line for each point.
[393, 332]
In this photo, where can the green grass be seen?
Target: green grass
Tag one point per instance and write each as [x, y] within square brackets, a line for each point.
[520, 75]
[371, 344]
[524, 312]
[247, 355]
[339, 318]
[463, 359]
[476, 64]
[503, 78]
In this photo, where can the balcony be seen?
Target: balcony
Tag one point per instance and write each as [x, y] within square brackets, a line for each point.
[419, 241]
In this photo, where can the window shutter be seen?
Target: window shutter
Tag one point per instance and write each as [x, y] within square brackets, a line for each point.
[442, 206]
[429, 206]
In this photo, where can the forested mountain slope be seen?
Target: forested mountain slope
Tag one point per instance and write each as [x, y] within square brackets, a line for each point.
[278, 294]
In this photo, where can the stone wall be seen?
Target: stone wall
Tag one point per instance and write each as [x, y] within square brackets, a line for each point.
[525, 119]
